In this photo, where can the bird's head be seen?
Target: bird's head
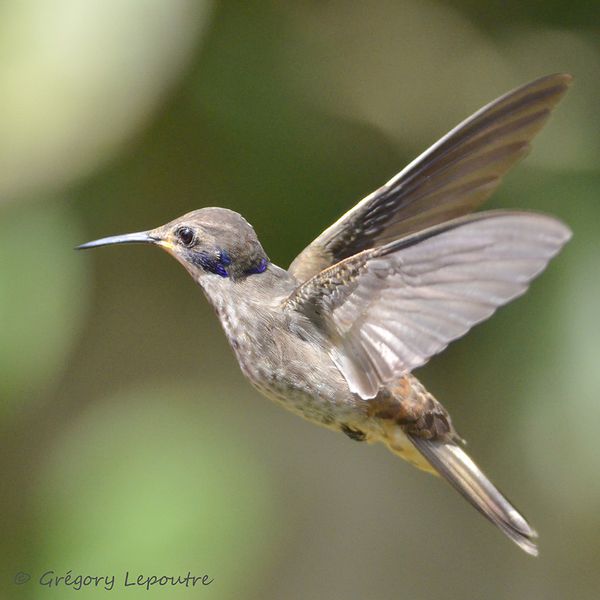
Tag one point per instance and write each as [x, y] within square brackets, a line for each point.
[207, 242]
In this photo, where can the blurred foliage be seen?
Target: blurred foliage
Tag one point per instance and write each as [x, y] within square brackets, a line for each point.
[41, 298]
[130, 440]
[144, 490]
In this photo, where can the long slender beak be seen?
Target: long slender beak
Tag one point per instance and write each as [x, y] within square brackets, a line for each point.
[142, 237]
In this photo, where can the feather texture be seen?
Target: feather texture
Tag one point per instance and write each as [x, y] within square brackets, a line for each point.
[464, 475]
[388, 310]
[450, 179]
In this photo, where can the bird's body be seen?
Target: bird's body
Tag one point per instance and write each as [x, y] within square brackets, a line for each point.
[287, 359]
[296, 370]
[335, 338]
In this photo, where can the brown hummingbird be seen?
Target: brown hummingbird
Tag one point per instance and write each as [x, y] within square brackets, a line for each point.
[335, 338]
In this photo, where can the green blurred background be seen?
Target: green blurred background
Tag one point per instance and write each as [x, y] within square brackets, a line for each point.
[130, 440]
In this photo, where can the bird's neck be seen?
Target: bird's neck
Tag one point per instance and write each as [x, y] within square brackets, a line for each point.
[240, 298]
[248, 309]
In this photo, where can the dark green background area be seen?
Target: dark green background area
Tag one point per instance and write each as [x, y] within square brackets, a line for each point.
[130, 440]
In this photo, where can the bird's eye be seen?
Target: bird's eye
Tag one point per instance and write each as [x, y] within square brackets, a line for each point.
[186, 235]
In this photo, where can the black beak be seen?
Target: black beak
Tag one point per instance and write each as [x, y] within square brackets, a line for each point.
[142, 237]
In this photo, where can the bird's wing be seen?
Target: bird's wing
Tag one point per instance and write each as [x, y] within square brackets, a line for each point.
[449, 180]
[389, 309]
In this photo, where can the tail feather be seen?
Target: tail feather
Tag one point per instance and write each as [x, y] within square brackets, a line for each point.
[464, 475]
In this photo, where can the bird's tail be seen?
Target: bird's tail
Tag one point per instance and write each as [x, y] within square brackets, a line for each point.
[453, 463]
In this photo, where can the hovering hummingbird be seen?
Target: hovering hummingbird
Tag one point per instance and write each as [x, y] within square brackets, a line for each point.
[335, 338]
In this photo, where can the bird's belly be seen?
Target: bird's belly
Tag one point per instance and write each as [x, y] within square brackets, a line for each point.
[302, 380]
[309, 393]
[295, 373]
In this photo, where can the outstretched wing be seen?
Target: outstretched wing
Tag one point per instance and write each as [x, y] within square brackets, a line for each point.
[388, 310]
[449, 180]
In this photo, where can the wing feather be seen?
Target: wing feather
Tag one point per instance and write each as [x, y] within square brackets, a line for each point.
[388, 310]
[450, 179]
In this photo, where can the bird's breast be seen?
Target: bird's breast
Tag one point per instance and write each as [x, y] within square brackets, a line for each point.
[288, 368]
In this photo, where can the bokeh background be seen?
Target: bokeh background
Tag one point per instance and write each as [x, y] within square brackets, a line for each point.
[129, 438]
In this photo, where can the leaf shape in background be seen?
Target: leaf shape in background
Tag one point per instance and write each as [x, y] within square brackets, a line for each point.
[79, 78]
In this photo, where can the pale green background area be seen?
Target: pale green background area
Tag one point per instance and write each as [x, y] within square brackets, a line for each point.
[129, 438]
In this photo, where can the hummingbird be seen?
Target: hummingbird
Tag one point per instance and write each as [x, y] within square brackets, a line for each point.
[336, 337]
